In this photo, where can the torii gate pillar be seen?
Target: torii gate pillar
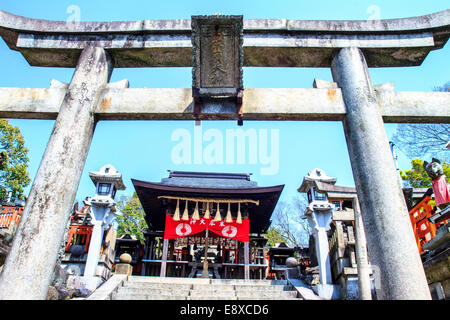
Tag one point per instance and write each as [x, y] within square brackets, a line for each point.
[390, 237]
[35, 248]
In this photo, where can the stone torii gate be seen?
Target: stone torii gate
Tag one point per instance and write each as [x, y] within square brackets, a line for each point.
[349, 48]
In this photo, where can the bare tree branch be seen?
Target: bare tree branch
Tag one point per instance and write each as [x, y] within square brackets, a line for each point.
[422, 140]
[289, 221]
[419, 140]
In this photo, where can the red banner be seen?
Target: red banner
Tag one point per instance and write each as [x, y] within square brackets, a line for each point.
[177, 229]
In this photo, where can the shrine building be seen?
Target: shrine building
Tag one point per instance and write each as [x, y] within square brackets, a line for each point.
[226, 213]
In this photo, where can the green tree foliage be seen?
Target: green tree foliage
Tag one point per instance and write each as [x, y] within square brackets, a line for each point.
[132, 221]
[13, 170]
[417, 177]
[274, 235]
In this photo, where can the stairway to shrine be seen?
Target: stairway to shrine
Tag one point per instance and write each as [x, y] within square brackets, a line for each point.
[156, 288]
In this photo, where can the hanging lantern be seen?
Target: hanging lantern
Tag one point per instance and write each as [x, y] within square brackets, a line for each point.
[176, 215]
[218, 217]
[229, 219]
[196, 216]
[207, 213]
[185, 213]
[239, 216]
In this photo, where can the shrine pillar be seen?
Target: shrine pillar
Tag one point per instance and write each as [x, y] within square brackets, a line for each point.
[29, 267]
[391, 242]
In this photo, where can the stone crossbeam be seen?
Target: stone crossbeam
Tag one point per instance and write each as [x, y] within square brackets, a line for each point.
[259, 104]
[266, 42]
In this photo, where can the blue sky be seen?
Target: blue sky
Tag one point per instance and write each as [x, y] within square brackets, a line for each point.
[142, 149]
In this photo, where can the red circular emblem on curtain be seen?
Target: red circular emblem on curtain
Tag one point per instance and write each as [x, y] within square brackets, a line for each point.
[229, 231]
[183, 229]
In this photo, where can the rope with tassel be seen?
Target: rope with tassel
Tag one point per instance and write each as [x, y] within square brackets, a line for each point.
[217, 217]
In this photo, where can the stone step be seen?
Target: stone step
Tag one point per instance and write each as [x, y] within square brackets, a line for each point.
[149, 291]
[252, 282]
[206, 282]
[212, 293]
[240, 286]
[168, 280]
[209, 293]
[211, 287]
[289, 297]
[120, 296]
[267, 298]
[155, 285]
[266, 295]
[212, 298]
[263, 288]
[156, 288]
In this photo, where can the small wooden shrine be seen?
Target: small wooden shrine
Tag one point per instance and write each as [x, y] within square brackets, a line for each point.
[278, 255]
[133, 246]
[206, 225]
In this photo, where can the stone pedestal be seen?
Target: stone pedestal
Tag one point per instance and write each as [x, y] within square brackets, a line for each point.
[124, 267]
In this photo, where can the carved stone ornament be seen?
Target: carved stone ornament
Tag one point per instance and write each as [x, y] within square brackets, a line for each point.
[217, 54]
[217, 59]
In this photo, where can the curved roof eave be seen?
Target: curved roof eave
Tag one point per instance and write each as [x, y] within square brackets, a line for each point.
[164, 187]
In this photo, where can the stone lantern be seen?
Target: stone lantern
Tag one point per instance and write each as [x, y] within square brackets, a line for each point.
[103, 211]
[319, 213]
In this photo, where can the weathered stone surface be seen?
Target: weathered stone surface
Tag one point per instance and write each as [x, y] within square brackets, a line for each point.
[124, 268]
[5, 245]
[391, 241]
[217, 52]
[77, 287]
[63, 293]
[52, 293]
[111, 286]
[267, 42]
[41, 229]
[258, 104]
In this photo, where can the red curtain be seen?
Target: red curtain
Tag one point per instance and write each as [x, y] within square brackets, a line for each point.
[233, 230]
